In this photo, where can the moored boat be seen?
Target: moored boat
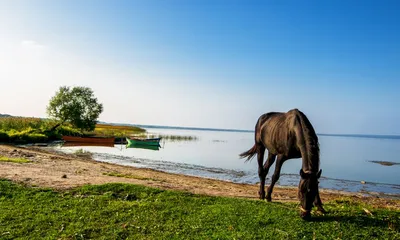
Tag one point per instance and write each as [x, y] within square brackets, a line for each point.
[104, 140]
[142, 146]
[144, 141]
[88, 144]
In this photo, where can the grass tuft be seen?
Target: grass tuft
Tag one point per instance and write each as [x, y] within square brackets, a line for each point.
[82, 153]
[14, 160]
[117, 174]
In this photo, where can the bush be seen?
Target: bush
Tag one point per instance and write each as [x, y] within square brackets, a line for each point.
[66, 130]
[37, 137]
[4, 136]
[19, 137]
[52, 135]
[27, 137]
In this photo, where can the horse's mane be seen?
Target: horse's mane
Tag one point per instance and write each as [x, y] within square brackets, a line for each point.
[311, 141]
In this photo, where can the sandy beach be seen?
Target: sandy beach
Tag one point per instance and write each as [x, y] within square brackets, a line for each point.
[63, 171]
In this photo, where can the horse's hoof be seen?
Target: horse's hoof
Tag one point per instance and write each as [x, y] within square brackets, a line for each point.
[261, 196]
[305, 216]
[321, 210]
[269, 199]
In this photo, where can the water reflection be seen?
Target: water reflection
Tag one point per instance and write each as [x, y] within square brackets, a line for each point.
[148, 147]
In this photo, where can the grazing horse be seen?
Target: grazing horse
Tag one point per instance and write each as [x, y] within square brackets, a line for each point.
[286, 136]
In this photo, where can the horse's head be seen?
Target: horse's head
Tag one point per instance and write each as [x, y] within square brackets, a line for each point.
[308, 189]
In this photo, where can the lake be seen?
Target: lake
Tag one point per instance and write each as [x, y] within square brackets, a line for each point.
[345, 160]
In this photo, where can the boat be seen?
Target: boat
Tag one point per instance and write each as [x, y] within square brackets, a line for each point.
[142, 146]
[88, 144]
[103, 140]
[144, 141]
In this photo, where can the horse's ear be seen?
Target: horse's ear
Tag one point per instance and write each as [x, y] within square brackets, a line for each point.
[319, 173]
[303, 174]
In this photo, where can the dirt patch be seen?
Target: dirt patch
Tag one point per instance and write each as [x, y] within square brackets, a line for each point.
[64, 171]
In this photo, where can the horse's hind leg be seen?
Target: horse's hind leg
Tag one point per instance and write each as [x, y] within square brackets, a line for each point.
[280, 160]
[267, 165]
[261, 172]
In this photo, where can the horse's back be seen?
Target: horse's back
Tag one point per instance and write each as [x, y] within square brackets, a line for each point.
[277, 130]
[277, 121]
[271, 130]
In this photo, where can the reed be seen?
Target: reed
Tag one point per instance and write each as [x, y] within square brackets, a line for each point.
[116, 130]
[174, 138]
[23, 123]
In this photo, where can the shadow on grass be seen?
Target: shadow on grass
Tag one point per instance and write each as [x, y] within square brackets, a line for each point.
[359, 220]
[363, 221]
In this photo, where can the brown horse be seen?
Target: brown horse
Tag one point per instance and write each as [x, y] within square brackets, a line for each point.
[286, 136]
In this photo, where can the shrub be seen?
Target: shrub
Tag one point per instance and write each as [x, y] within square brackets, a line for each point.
[4, 136]
[66, 130]
[26, 137]
[37, 137]
[19, 137]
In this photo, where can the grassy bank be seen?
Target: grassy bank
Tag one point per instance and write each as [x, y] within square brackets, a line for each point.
[36, 130]
[119, 211]
[116, 131]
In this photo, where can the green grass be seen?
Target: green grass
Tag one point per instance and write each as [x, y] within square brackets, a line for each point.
[116, 130]
[13, 160]
[124, 211]
[117, 174]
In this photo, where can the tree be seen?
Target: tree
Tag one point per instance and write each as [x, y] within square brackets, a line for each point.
[77, 106]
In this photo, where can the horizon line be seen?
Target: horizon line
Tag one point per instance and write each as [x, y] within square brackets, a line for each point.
[365, 135]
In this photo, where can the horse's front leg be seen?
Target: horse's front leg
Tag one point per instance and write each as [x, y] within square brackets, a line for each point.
[318, 203]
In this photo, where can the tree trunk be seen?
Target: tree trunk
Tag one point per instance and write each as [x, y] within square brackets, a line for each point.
[54, 127]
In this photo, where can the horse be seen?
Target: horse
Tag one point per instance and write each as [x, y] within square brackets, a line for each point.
[288, 135]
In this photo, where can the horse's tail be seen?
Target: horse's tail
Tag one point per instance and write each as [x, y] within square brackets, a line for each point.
[257, 135]
[250, 153]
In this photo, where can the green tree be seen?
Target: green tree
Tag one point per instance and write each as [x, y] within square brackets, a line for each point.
[77, 106]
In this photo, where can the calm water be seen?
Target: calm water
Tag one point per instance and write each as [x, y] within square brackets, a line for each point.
[345, 161]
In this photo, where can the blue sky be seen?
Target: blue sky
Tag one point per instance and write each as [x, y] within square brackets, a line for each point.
[208, 63]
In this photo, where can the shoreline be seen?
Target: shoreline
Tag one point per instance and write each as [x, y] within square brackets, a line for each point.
[63, 171]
